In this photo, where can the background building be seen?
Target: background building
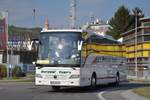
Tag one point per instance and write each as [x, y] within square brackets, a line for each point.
[138, 50]
[3, 35]
[98, 26]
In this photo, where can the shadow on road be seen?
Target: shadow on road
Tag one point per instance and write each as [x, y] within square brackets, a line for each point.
[122, 86]
[76, 90]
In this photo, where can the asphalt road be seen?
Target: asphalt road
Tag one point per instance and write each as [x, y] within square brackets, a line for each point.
[28, 91]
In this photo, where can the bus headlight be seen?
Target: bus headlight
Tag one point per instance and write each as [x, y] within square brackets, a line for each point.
[38, 76]
[74, 76]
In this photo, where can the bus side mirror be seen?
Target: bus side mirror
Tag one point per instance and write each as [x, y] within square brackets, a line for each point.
[80, 42]
[34, 42]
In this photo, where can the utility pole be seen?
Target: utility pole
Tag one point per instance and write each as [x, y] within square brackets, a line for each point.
[136, 67]
[136, 42]
[34, 17]
[8, 58]
[92, 19]
[72, 14]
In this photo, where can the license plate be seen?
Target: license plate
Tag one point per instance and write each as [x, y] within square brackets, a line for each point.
[55, 82]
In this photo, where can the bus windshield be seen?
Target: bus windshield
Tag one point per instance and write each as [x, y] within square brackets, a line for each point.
[60, 47]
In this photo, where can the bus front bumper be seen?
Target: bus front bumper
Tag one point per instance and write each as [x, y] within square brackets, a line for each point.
[70, 82]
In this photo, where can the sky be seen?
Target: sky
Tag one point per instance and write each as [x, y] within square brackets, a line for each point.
[21, 11]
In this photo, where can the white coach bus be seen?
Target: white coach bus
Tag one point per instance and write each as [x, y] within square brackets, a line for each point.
[66, 58]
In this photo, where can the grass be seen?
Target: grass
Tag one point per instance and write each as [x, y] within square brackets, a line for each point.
[13, 78]
[140, 80]
[30, 75]
[29, 78]
[17, 80]
[143, 91]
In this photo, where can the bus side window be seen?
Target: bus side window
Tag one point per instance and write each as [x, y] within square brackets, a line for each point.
[99, 59]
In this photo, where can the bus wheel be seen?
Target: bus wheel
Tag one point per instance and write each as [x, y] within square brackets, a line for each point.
[117, 79]
[56, 88]
[93, 81]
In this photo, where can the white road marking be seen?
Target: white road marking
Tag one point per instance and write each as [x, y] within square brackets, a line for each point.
[100, 95]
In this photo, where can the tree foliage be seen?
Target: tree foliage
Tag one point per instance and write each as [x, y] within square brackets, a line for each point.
[16, 71]
[14, 30]
[122, 21]
[3, 71]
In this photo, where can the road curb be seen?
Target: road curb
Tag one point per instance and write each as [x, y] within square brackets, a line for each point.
[129, 95]
[19, 80]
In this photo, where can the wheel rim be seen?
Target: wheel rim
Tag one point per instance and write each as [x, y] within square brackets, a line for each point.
[117, 80]
[93, 82]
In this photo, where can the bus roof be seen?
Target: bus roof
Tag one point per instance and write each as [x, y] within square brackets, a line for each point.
[63, 30]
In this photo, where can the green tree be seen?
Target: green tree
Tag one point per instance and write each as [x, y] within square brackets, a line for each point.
[3, 71]
[14, 30]
[16, 71]
[120, 22]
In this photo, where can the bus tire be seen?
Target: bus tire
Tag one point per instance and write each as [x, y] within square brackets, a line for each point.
[117, 79]
[93, 80]
[55, 88]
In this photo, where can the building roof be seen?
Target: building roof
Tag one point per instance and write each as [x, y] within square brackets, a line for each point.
[146, 19]
[63, 30]
[133, 30]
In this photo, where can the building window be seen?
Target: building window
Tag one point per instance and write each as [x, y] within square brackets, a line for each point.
[1, 29]
[146, 38]
[147, 24]
[139, 39]
[146, 31]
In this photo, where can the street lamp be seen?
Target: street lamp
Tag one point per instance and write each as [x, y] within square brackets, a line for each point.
[136, 47]
[7, 48]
